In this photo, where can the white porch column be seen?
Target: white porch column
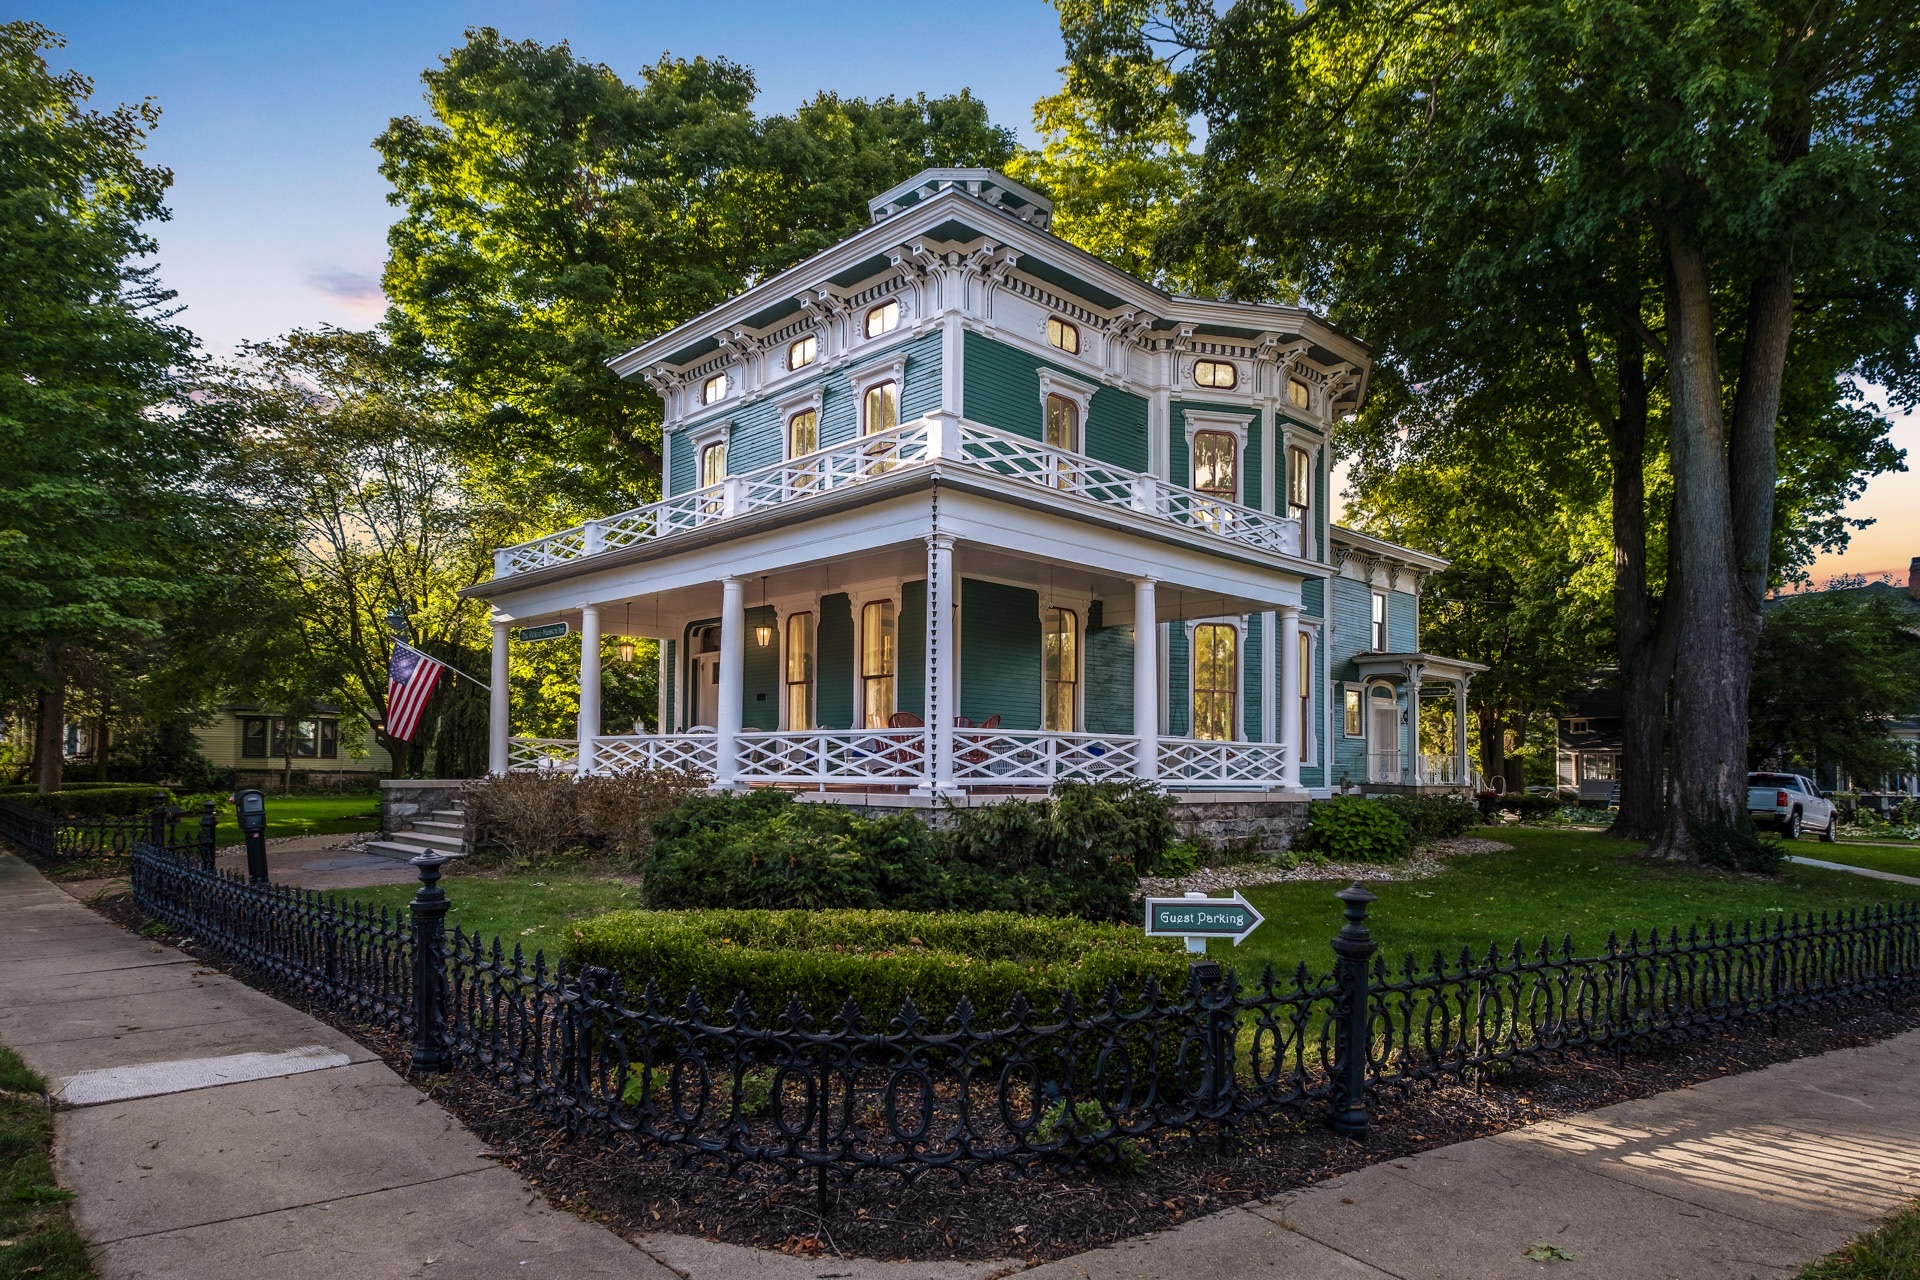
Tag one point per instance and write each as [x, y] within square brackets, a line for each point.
[498, 706]
[941, 661]
[1287, 646]
[589, 683]
[1462, 738]
[1146, 679]
[1415, 674]
[733, 666]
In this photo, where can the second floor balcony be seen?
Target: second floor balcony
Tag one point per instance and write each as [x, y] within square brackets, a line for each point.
[1057, 477]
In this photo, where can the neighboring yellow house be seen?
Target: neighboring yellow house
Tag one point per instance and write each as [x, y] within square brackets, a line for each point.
[254, 743]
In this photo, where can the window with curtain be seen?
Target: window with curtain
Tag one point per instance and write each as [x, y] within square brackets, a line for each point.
[713, 463]
[1214, 470]
[1060, 668]
[799, 671]
[1379, 622]
[1299, 483]
[878, 634]
[803, 433]
[1306, 695]
[1215, 680]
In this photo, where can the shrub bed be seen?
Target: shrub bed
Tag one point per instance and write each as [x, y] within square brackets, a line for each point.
[1430, 818]
[876, 958]
[538, 817]
[1354, 829]
[91, 802]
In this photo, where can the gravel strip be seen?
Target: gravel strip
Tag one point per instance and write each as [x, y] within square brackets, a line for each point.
[1429, 860]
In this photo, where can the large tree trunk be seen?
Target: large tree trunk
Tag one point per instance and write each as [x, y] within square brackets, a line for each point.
[1708, 777]
[1493, 745]
[50, 733]
[100, 731]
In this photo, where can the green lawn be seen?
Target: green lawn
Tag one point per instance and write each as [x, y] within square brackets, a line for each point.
[36, 1235]
[1904, 860]
[302, 816]
[1553, 882]
[527, 907]
[1890, 1253]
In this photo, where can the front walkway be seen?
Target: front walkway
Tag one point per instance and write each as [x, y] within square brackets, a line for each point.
[225, 1135]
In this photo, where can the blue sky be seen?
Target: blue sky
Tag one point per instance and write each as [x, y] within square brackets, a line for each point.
[270, 108]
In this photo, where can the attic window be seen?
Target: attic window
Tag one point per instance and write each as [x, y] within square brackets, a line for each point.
[1063, 335]
[1297, 393]
[1220, 374]
[884, 318]
[803, 353]
[1578, 726]
[715, 388]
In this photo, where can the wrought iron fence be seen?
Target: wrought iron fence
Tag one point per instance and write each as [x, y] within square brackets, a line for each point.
[829, 1098]
[96, 838]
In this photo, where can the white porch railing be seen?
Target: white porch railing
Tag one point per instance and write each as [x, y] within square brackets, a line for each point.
[901, 757]
[698, 752]
[1442, 771]
[978, 447]
[533, 754]
[1384, 766]
[889, 756]
[1192, 761]
[1040, 759]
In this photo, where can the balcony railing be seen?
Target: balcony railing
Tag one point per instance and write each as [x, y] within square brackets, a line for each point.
[918, 443]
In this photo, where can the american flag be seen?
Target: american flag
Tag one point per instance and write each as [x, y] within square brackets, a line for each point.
[411, 676]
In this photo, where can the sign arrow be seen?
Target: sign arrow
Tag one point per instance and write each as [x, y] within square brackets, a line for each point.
[1198, 917]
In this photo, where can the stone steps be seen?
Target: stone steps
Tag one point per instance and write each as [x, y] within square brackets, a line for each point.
[443, 831]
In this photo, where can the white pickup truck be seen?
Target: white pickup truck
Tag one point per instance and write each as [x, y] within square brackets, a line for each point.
[1791, 804]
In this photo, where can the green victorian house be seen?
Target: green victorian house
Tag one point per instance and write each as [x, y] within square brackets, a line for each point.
[955, 507]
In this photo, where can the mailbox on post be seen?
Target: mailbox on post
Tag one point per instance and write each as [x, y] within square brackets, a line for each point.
[251, 808]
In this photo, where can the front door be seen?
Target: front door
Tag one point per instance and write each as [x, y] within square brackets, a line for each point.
[1383, 743]
[706, 677]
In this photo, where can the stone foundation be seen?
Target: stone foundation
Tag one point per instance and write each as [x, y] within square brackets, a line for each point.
[404, 799]
[1214, 819]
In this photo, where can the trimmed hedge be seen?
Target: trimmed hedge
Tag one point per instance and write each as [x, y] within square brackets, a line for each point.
[1430, 818]
[876, 958]
[96, 802]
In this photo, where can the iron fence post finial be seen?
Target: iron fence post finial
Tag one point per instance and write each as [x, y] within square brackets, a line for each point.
[1353, 947]
[429, 909]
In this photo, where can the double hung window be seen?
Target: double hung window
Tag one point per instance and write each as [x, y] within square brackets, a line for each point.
[1216, 669]
[878, 636]
[1060, 668]
[1215, 465]
[799, 671]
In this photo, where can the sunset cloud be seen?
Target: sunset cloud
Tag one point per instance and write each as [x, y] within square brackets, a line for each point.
[354, 289]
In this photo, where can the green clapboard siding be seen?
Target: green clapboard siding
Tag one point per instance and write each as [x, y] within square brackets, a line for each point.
[833, 664]
[1313, 597]
[1352, 625]
[1179, 682]
[1000, 654]
[1107, 697]
[910, 662]
[921, 395]
[679, 465]
[1003, 390]
[760, 673]
[1403, 622]
[1250, 486]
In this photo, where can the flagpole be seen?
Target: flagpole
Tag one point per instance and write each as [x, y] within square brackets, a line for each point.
[402, 644]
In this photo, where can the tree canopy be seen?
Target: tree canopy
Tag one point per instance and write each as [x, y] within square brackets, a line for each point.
[1831, 670]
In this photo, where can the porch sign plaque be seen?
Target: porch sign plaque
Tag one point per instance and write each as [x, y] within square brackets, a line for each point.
[1196, 917]
[551, 631]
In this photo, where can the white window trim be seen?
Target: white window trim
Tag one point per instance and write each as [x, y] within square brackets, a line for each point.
[1234, 424]
[813, 398]
[1359, 687]
[1386, 619]
[1079, 607]
[1239, 624]
[867, 377]
[785, 350]
[1075, 392]
[719, 431]
[902, 298]
[1079, 330]
[735, 388]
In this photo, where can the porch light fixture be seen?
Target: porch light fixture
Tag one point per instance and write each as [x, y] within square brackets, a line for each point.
[763, 633]
[626, 651]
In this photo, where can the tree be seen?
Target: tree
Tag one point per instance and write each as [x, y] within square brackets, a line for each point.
[555, 215]
[116, 529]
[1830, 671]
[1623, 194]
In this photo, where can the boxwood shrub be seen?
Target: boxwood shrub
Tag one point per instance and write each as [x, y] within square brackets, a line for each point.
[876, 958]
[1430, 818]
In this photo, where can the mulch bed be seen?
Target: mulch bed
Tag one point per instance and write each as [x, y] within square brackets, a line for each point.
[1031, 1219]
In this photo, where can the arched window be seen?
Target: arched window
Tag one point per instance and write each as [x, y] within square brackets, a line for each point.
[1299, 483]
[877, 644]
[1297, 393]
[884, 318]
[803, 433]
[1214, 469]
[1060, 668]
[803, 353]
[713, 463]
[1063, 335]
[714, 388]
[880, 409]
[799, 671]
[1063, 424]
[1216, 672]
[1219, 374]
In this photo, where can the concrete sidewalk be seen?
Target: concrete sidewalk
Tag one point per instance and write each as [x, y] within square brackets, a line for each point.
[230, 1136]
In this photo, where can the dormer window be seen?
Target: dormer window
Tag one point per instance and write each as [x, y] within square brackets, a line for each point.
[1063, 335]
[1297, 393]
[884, 318]
[714, 389]
[1219, 374]
[803, 353]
